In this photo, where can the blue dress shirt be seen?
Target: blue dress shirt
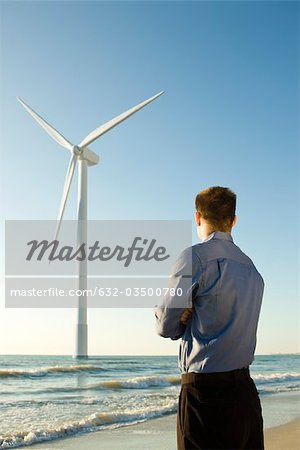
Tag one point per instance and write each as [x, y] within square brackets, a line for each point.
[225, 290]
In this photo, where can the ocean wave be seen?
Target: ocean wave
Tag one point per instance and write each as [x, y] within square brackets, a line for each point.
[163, 381]
[94, 422]
[278, 389]
[140, 382]
[43, 371]
[276, 377]
[144, 382]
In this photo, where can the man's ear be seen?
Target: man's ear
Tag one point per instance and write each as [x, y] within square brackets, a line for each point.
[234, 221]
[197, 218]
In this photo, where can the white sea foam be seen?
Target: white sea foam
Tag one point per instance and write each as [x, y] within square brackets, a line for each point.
[94, 422]
[276, 377]
[43, 371]
[141, 382]
[266, 390]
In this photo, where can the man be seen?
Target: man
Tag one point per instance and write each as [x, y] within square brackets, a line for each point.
[216, 319]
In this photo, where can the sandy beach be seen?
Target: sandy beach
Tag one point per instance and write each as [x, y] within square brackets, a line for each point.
[160, 434]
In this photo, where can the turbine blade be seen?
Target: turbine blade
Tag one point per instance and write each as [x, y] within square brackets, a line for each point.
[59, 138]
[68, 181]
[112, 123]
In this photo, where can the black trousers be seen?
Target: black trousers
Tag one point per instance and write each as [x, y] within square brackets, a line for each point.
[219, 411]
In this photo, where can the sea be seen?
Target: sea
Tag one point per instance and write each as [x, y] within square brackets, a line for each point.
[43, 398]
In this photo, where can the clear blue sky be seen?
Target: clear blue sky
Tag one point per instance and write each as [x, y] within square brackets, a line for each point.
[229, 117]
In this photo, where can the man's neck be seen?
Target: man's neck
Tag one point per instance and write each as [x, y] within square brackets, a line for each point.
[209, 232]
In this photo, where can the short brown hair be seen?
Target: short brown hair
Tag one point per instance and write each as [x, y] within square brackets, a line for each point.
[216, 205]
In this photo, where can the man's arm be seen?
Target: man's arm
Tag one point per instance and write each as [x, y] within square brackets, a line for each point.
[172, 315]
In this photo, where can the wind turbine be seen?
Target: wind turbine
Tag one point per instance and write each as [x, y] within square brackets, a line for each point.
[85, 158]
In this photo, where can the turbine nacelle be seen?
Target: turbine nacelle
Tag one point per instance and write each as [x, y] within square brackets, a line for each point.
[87, 154]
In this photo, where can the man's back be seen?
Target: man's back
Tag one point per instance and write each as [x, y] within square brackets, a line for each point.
[221, 333]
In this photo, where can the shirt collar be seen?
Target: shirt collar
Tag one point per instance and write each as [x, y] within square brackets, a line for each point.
[219, 235]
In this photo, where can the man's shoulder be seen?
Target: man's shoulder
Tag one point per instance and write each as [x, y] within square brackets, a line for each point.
[218, 249]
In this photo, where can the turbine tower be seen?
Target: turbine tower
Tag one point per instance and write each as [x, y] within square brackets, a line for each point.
[85, 158]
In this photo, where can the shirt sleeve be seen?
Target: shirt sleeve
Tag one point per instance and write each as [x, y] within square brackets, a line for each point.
[183, 283]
